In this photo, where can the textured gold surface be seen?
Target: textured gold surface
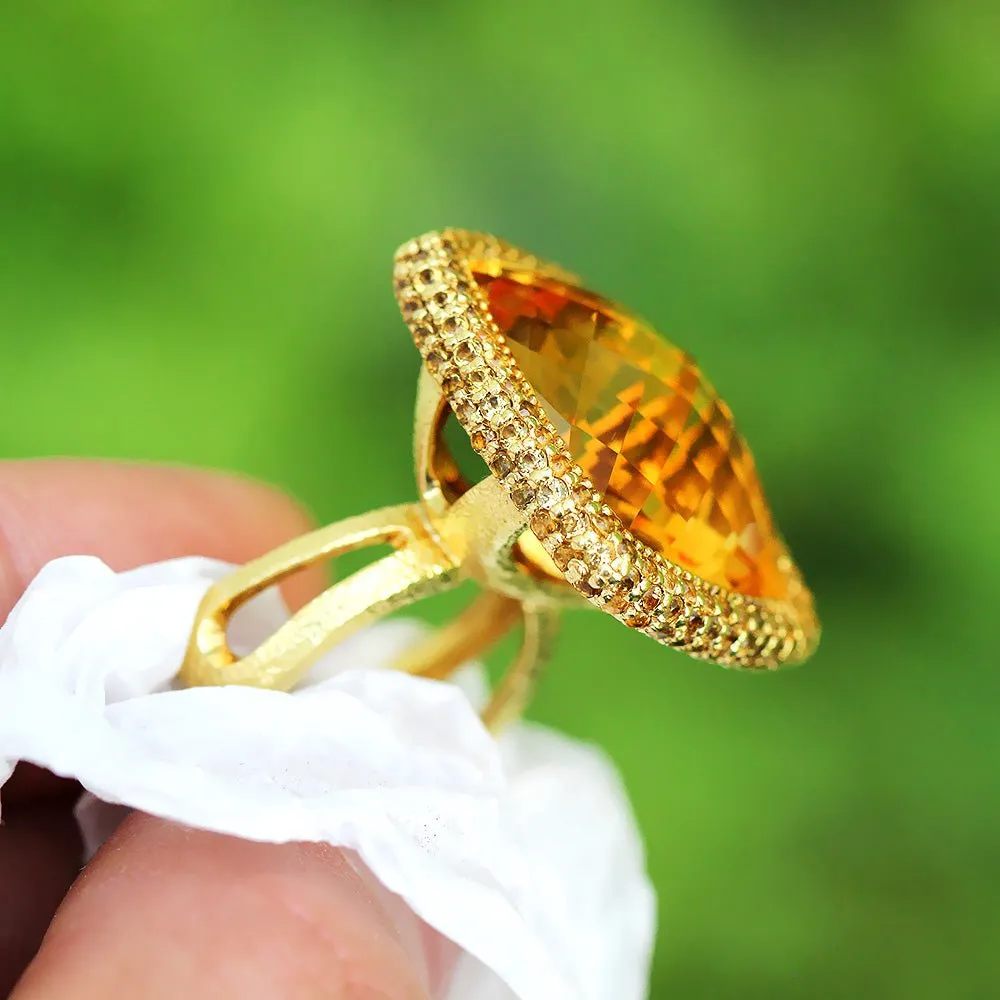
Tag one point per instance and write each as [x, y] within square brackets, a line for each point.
[537, 534]
[437, 544]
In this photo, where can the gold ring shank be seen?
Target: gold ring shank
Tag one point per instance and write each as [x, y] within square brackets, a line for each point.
[417, 568]
[431, 554]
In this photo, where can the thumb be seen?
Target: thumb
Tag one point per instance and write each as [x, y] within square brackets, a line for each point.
[166, 911]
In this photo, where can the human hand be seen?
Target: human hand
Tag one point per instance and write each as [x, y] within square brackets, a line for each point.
[163, 910]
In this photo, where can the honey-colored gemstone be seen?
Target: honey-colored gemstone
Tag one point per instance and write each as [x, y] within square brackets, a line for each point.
[646, 426]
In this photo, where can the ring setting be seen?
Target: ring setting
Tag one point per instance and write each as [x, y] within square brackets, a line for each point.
[617, 478]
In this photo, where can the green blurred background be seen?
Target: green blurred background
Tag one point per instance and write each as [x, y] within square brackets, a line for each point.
[199, 202]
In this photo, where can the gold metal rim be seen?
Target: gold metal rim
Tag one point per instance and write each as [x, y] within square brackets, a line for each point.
[614, 570]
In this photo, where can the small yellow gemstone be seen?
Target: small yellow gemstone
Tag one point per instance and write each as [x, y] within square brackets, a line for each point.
[648, 429]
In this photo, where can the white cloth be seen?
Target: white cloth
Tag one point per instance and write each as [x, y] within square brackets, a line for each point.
[522, 850]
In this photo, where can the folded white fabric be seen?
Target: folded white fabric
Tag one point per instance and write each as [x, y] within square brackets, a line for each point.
[522, 850]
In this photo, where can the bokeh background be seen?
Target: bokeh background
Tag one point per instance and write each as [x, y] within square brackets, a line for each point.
[199, 202]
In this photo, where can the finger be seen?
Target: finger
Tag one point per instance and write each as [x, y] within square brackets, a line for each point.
[40, 853]
[130, 514]
[166, 912]
[127, 515]
[29, 783]
[133, 514]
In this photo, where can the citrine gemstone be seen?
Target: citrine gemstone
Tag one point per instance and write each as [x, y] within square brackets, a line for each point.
[649, 430]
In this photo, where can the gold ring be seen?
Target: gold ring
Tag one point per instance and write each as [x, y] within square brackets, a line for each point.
[617, 478]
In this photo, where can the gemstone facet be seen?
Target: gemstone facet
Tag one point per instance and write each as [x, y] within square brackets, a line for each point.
[648, 429]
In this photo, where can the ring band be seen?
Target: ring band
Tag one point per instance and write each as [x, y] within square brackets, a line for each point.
[617, 478]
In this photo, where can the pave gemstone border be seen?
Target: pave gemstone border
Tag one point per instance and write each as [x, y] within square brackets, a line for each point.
[466, 354]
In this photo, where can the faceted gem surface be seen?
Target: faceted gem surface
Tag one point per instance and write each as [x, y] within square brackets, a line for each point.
[648, 429]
